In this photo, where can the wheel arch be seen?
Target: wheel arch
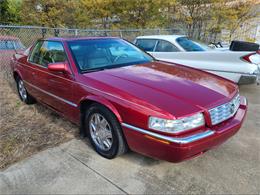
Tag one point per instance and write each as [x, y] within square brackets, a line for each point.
[16, 74]
[87, 101]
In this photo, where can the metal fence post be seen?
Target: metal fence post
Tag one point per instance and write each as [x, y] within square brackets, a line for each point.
[44, 31]
[56, 32]
[76, 32]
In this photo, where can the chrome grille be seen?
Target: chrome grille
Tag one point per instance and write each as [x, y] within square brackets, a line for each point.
[224, 111]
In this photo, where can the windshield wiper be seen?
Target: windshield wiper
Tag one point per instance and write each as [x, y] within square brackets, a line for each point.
[102, 68]
[93, 70]
[114, 66]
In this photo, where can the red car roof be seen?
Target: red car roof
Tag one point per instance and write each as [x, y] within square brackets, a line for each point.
[8, 38]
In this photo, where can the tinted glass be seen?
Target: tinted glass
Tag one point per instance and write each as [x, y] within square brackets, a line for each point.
[165, 46]
[35, 55]
[146, 44]
[48, 52]
[204, 46]
[106, 53]
[188, 44]
[11, 45]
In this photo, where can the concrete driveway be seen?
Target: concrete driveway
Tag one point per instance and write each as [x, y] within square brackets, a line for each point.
[74, 167]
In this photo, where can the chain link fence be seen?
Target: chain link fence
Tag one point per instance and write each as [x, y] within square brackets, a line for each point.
[15, 38]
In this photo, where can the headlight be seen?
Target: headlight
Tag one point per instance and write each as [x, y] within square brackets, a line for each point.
[178, 125]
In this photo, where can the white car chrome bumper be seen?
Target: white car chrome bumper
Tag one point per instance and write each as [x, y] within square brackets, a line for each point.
[250, 78]
[247, 79]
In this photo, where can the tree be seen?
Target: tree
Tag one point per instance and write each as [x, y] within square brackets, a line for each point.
[100, 13]
[9, 11]
[238, 12]
[111, 14]
[4, 11]
[218, 18]
[51, 13]
[194, 14]
[200, 18]
[142, 13]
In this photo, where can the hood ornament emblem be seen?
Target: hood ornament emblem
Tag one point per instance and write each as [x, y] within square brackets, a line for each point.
[232, 108]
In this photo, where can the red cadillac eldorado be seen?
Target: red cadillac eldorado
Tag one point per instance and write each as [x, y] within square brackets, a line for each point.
[122, 98]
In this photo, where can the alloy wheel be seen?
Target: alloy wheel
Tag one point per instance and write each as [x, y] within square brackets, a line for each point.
[22, 90]
[100, 131]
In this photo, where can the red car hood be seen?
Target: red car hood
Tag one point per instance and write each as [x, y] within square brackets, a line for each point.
[176, 89]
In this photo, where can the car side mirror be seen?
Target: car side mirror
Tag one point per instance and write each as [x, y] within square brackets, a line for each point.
[57, 67]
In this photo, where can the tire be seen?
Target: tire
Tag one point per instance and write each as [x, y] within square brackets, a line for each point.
[23, 93]
[118, 144]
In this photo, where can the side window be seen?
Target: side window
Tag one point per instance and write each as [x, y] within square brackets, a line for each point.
[56, 52]
[35, 54]
[188, 44]
[146, 44]
[48, 52]
[165, 46]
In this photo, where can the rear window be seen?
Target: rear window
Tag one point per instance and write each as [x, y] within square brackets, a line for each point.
[188, 44]
[146, 44]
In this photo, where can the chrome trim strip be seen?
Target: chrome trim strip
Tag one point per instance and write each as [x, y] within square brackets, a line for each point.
[183, 140]
[245, 101]
[227, 71]
[50, 94]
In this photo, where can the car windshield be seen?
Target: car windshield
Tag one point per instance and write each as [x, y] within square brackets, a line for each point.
[11, 45]
[188, 44]
[98, 54]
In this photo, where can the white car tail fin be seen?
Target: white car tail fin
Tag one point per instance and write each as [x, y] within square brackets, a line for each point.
[253, 58]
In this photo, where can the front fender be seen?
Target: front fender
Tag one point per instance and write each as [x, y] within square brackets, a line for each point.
[104, 102]
[18, 73]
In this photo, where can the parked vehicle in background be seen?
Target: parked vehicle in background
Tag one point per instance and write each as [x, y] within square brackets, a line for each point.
[243, 46]
[234, 46]
[123, 98]
[240, 67]
[8, 46]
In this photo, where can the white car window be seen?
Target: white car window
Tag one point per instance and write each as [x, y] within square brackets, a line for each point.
[188, 44]
[165, 46]
[146, 44]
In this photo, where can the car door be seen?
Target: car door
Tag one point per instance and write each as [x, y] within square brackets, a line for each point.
[163, 49]
[54, 88]
[29, 68]
[165, 46]
[147, 45]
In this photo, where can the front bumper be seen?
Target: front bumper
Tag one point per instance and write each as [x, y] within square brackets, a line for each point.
[176, 149]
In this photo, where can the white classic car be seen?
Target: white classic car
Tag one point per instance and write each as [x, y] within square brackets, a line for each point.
[240, 67]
